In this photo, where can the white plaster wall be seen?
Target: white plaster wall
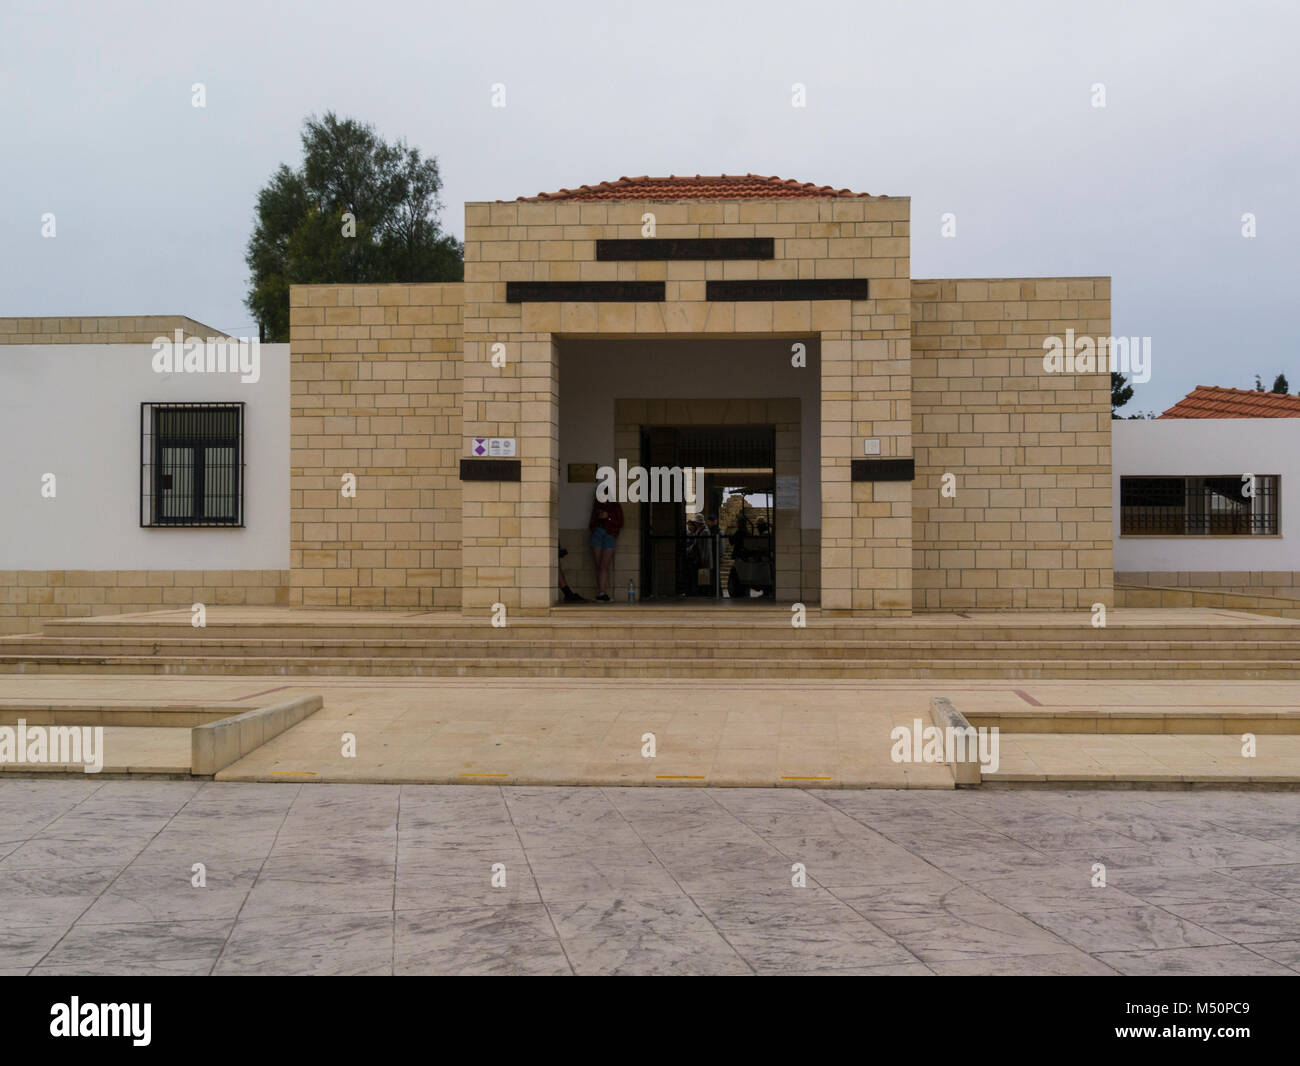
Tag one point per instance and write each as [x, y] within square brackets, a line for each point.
[74, 411]
[594, 373]
[1215, 447]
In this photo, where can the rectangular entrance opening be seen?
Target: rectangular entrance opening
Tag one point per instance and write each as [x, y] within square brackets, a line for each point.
[720, 545]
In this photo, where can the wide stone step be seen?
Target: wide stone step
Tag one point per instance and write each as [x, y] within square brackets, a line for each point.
[693, 649]
[754, 632]
[600, 665]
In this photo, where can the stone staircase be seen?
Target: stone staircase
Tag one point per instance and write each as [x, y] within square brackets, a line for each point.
[739, 642]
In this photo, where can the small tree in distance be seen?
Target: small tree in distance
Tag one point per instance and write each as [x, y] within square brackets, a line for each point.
[1120, 392]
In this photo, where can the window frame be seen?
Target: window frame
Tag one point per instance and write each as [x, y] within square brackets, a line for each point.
[152, 467]
[1196, 507]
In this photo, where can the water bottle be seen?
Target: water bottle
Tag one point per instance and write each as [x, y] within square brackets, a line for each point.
[631, 591]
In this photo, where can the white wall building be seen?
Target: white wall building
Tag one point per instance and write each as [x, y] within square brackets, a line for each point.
[1218, 529]
[74, 411]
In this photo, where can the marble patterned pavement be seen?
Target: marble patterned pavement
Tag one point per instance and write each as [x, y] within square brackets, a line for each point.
[96, 878]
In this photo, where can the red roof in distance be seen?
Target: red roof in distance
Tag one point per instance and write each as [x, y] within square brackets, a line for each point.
[699, 187]
[1213, 401]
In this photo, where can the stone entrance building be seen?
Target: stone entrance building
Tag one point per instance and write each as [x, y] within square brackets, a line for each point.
[772, 321]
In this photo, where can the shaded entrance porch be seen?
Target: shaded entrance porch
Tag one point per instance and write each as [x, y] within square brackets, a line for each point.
[757, 457]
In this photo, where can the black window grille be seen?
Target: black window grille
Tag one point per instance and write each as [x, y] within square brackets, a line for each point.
[191, 464]
[726, 447]
[1231, 505]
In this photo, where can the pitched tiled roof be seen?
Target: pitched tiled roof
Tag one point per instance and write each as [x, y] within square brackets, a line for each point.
[673, 187]
[1211, 401]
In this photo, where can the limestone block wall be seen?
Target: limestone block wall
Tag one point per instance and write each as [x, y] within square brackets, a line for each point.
[376, 392]
[510, 529]
[1030, 524]
[1247, 600]
[810, 562]
[1280, 584]
[114, 329]
[28, 598]
[866, 534]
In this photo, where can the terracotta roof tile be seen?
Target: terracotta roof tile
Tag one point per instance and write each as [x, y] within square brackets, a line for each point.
[1212, 401]
[673, 187]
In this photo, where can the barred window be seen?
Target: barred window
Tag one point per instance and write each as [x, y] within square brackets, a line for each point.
[1230, 505]
[191, 464]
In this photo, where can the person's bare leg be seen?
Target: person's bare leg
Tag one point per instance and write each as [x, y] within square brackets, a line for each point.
[595, 565]
[603, 564]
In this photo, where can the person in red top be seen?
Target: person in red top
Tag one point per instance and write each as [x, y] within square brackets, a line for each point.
[605, 525]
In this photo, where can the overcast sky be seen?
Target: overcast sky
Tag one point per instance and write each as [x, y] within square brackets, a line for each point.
[983, 110]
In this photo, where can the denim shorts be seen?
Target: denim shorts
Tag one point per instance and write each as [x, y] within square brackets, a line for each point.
[601, 539]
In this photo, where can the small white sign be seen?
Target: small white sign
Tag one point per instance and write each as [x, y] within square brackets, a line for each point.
[871, 447]
[492, 447]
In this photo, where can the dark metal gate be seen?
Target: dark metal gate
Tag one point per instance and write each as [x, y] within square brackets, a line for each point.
[678, 545]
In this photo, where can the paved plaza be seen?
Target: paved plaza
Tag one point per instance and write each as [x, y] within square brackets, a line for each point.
[96, 878]
[575, 731]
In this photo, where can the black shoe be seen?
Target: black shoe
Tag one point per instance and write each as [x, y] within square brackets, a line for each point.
[603, 598]
[572, 597]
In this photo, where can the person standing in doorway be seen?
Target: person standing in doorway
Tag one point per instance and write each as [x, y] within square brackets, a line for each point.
[699, 558]
[605, 525]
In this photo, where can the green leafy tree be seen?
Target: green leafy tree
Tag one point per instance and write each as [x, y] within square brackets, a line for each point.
[1120, 392]
[1281, 385]
[358, 210]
